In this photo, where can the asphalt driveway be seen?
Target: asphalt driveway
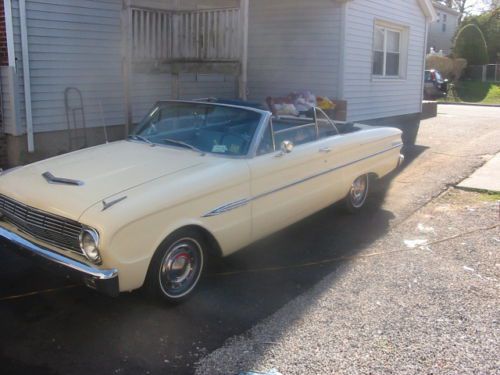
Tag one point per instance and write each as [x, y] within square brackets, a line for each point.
[50, 326]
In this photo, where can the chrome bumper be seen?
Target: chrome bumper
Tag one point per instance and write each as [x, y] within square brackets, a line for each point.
[401, 160]
[105, 281]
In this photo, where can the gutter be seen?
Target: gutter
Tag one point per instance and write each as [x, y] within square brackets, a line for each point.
[26, 75]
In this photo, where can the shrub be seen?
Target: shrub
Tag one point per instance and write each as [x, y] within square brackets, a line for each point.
[449, 68]
[471, 45]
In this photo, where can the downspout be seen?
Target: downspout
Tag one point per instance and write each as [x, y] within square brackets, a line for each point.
[422, 83]
[343, 34]
[26, 75]
[243, 86]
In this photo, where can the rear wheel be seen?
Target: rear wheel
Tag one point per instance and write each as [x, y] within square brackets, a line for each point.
[358, 193]
[177, 266]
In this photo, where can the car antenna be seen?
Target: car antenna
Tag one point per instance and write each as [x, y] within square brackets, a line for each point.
[104, 123]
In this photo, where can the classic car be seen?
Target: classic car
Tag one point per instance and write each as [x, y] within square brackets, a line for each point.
[194, 180]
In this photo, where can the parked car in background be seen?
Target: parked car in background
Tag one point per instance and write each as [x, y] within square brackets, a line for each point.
[435, 86]
[195, 180]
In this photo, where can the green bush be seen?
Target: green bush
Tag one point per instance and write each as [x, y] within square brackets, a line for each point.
[450, 68]
[489, 23]
[471, 46]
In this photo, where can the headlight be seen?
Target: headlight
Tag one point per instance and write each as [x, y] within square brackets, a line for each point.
[89, 243]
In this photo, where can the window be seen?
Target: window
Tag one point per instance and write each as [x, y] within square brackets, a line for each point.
[266, 145]
[388, 51]
[326, 128]
[298, 130]
[209, 128]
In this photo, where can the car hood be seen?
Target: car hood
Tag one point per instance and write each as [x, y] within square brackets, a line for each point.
[104, 171]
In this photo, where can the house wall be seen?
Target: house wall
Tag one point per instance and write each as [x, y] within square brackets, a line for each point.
[4, 57]
[439, 39]
[72, 43]
[293, 45]
[78, 43]
[369, 97]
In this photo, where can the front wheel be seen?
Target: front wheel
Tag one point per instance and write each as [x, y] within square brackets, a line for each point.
[358, 193]
[177, 266]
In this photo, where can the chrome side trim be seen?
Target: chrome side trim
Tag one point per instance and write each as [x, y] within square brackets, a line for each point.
[56, 258]
[228, 207]
[51, 179]
[108, 204]
[243, 202]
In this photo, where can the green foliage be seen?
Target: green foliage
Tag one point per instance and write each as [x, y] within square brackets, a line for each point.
[450, 68]
[489, 23]
[474, 92]
[470, 45]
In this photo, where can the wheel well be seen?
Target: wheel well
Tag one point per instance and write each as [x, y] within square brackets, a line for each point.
[214, 248]
[372, 176]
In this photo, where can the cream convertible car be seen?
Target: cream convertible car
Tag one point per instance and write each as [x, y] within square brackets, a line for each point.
[195, 180]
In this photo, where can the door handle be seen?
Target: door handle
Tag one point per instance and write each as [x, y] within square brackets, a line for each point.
[325, 150]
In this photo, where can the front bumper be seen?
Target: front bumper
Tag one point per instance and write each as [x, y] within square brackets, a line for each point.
[401, 159]
[102, 280]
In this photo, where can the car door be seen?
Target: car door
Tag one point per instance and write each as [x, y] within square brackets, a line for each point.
[287, 187]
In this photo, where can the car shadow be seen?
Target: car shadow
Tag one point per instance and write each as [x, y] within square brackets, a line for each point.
[78, 331]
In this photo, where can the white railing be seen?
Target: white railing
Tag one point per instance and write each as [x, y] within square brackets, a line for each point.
[200, 35]
[484, 73]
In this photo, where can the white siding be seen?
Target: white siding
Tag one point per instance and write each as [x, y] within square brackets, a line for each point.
[72, 43]
[147, 89]
[153, 87]
[293, 45]
[370, 98]
[77, 43]
[192, 86]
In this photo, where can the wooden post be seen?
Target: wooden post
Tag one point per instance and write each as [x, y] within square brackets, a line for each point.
[243, 81]
[127, 63]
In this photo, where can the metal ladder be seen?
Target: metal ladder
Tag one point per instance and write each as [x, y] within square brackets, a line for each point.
[77, 135]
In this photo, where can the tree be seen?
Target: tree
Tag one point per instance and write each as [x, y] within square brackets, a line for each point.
[465, 7]
[489, 23]
[471, 45]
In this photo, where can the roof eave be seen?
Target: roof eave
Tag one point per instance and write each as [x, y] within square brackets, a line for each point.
[428, 9]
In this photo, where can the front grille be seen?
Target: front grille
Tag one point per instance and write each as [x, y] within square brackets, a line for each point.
[58, 231]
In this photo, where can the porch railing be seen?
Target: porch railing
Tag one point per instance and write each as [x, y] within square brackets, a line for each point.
[199, 35]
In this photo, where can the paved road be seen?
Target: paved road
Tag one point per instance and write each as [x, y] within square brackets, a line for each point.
[75, 331]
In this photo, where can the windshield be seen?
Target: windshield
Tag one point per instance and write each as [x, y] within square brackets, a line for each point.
[208, 128]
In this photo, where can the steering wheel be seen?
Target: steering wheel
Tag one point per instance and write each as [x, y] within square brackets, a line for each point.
[245, 139]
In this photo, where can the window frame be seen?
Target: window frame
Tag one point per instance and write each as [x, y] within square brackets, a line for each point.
[315, 123]
[403, 32]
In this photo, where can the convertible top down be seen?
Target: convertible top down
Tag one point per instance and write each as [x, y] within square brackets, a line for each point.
[195, 179]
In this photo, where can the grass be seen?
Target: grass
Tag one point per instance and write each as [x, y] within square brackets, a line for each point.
[490, 197]
[474, 92]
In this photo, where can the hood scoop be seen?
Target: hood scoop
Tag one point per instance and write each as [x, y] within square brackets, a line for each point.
[51, 179]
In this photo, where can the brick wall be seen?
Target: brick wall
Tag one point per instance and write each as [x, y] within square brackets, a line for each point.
[4, 60]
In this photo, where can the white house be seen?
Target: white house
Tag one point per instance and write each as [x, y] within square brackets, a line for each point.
[443, 29]
[123, 55]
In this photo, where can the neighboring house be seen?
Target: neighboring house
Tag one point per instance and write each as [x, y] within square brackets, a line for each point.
[123, 55]
[443, 29]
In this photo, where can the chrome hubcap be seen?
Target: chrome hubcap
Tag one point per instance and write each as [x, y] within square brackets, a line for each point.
[359, 191]
[181, 268]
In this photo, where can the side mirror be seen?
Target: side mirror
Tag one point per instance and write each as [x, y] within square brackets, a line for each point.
[286, 147]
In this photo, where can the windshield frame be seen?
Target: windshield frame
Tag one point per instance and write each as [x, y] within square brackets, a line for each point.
[252, 149]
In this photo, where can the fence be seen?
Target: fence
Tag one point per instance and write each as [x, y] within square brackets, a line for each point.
[485, 73]
[203, 35]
